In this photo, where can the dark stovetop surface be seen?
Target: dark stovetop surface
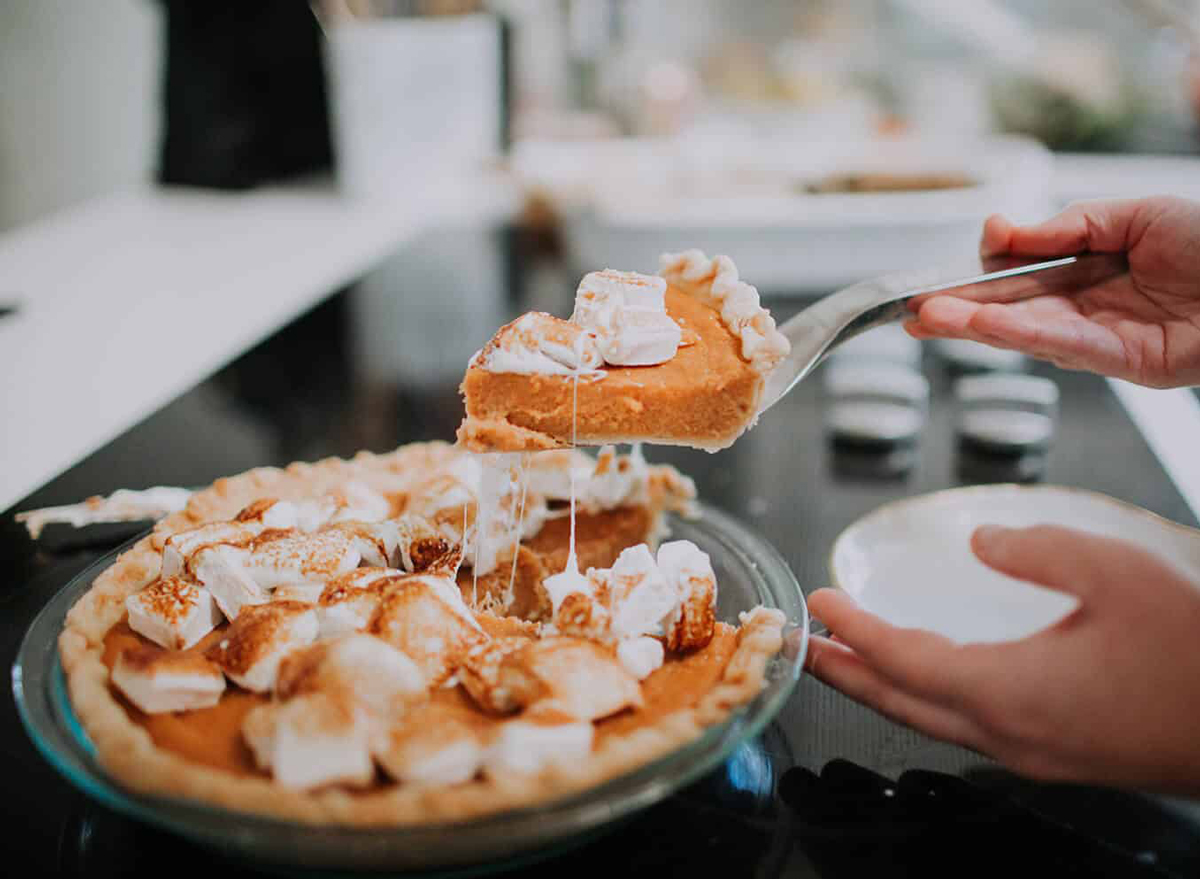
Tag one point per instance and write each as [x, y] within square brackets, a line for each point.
[829, 790]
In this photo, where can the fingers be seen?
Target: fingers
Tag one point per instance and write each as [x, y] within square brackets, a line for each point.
[1048, 328]
[1058, 558]
[840, 667]
[1107, 226]
[997, 236]
[922, 663]
[1088, 566]
[948, 316]
[918, 330]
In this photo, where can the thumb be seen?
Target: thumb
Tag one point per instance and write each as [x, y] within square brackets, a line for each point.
[1062, 559]
[1099, 225]
[997, 236]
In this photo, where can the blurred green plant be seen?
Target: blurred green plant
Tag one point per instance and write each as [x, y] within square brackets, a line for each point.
[1064, 120]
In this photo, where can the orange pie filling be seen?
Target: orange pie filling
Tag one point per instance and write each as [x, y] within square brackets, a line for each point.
[704, 396]
[213, 736]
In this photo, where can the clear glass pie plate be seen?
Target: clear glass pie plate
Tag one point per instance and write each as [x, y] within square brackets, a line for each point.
[749, 573]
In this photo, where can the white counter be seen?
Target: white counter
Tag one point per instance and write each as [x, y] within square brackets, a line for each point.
[126, 302]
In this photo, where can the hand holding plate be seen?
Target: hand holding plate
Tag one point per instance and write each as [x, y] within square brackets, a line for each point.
[1109, 694]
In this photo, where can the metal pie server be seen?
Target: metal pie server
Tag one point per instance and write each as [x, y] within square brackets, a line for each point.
[841, 316]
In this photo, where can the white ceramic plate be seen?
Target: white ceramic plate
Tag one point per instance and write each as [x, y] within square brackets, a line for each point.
[910, 561]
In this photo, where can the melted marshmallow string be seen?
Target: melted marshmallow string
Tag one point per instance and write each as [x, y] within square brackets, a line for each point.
[523, 478]
[572, 559]
[475, 563]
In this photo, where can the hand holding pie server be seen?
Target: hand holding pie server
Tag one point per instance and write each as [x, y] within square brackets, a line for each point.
[1143, 326]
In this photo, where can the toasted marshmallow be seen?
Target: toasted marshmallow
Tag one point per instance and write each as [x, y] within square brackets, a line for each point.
[526, 745]
[269, 514]
[222, 571]
[307, 593]
[173, 613]
[584, 615]
[689, 572]
[435, 743]
[474, 490]
[600, 295]
[291, 558]
[316, 513]
[475, 503]
[548, 473]
[348, 602]
[366, 670]
[641, 338]
[258, 640]
[617, 480]
[445, 565]
[182, 546]
[377, 542]
[321, 739]
[641, 597]
[604, 483]
[612, 604]
[448, 489]
[258, 732]
[157, 680]
[627, 312]
[358, 502]
[480, 674]
[640, 656]
[352, 501]
[443, 504]
[539, 343]
[559, 586]
[445, 501]
[425, 618]
[579, 678]
[447, 590]
[419, 543]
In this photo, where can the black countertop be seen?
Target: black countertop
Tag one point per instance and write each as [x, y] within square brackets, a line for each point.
[830, 789]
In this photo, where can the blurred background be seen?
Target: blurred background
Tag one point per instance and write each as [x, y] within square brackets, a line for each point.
[114, 93]
[182, 182]
[243, 233]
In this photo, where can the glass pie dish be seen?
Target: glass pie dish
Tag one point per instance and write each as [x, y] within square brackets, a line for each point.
[749, 573]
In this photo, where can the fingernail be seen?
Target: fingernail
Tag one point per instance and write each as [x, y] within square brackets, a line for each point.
[820, 596]
[989, 533]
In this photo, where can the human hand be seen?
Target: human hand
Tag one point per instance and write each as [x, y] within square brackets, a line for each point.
[1143, 326]
[1110, 694]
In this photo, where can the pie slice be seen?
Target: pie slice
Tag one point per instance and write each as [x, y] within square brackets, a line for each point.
[674, 359]
[405, 646]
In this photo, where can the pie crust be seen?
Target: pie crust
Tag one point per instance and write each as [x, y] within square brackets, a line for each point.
[126, 750]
